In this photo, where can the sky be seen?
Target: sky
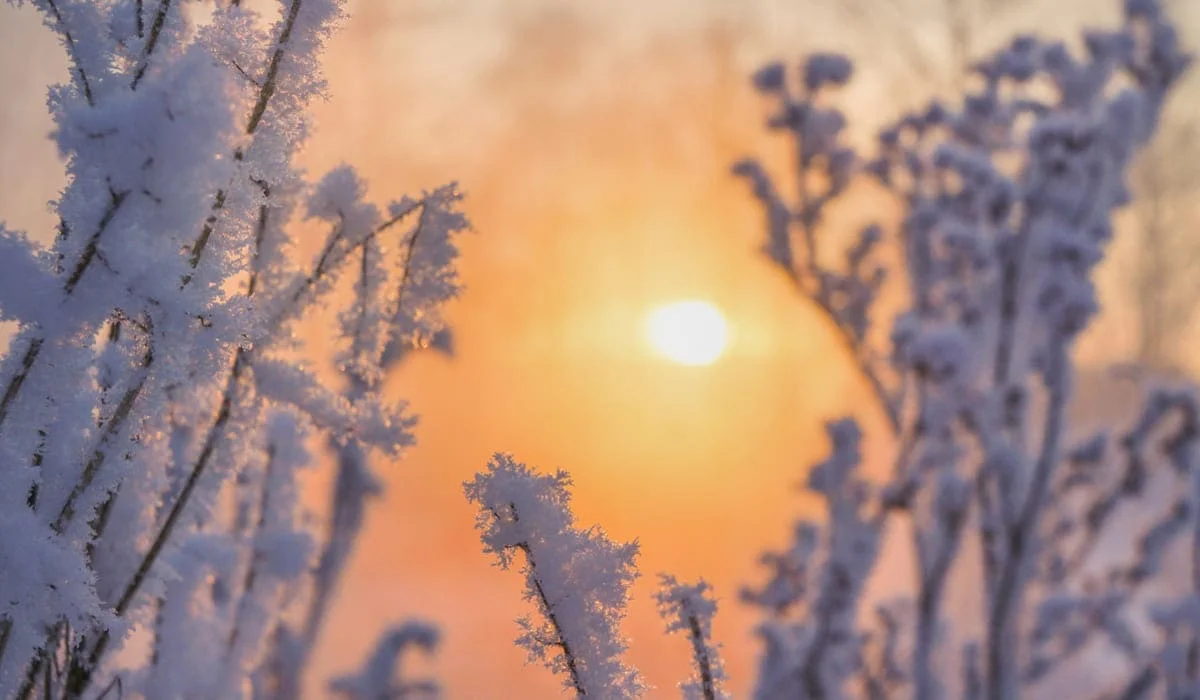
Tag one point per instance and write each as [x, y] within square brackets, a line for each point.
[594, 142]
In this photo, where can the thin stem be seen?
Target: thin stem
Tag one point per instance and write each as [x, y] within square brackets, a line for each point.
[1010, 289]
[560, 638]
[328, 260]
[168, 526]
[205, 233]
[701, 657]
[810, 669]
[408, 256]
[268, 87]
[160, 19]
[116, 199]
[198, 469]
[69, 42]
[861, 362]
[18, 379]
[265, 93]
[1001, 620]
[260, 234]
[806, 217]
[932, 584]
[38, 662]
[11, 391]
[115, 422]
[85, 260]
[99, 524]
[5, 632]
[252, 568]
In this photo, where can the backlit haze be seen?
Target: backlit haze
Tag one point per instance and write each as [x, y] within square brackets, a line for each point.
[593, 140]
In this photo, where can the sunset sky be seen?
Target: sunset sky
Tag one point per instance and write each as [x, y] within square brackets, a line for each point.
[594, 143]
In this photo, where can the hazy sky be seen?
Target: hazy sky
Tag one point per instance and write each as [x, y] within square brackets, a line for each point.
[593, 140]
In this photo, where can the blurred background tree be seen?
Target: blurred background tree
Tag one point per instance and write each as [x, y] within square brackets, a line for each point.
[1153, 279]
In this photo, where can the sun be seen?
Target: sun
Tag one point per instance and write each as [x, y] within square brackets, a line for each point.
[691, 332]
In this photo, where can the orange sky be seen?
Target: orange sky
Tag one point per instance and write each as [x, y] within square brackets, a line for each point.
[596, 165]
[594, 148]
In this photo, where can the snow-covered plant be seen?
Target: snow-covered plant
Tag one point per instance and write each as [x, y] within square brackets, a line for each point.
[813, 596]
[690, 608]
[578, 580]
[1007, 204]
[157, 401]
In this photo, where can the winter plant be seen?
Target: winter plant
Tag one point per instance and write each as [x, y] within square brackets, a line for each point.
[1008, 201]
[1008, 204]
[577, 579]
[159, 407]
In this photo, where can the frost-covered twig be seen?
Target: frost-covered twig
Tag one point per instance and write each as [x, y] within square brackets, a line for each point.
[689, 608]
[578, 579]
[824, 167]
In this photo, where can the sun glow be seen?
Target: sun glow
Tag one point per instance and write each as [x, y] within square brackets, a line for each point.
[690, 332]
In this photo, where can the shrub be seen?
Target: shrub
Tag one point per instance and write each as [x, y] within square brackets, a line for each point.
[157, 401]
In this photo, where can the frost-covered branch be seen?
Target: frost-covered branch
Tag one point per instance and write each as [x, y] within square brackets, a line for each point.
[577, 579]
[824, 168]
